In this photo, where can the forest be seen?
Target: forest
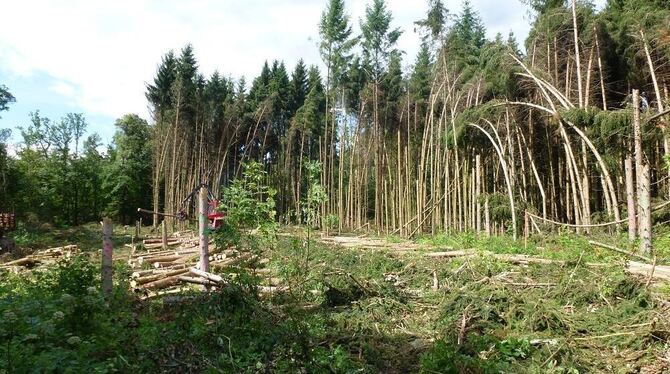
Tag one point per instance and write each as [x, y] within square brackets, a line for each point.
[497, 206]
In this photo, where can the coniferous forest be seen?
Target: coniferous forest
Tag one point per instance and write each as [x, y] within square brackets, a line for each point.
[489, 205]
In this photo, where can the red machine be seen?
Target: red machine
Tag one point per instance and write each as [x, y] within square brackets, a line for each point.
[214, 215]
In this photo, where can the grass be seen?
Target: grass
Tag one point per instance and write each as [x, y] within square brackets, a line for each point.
[354, 310]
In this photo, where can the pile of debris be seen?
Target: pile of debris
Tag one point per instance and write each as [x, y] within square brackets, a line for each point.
[41, 258]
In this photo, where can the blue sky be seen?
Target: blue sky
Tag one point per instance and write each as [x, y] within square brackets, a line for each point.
[95, 57]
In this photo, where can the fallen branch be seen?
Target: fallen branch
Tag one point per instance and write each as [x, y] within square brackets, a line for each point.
[615, 249]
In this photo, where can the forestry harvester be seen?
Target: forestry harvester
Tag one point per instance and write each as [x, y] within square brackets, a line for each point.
[214, 215]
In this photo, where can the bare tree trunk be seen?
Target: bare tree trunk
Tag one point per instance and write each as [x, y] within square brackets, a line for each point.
[577, 56]
[644, 208]
[203, 226]
[630, 197]
[600, 71]
[659, 98]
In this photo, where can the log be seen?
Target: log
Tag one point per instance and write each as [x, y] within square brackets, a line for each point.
[163, 265]
[160, 245]
[26, 261]
[151, 260]
[615, 249]
[212, 277]
[163, 283]
[141, 273]
[153, 253]
[152, 278]
[186, 258]
[201, 281]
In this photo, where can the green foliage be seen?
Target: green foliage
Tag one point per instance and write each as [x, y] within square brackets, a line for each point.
[421, 75]
[249, 204]
[434, 24]
[58, 321]
[378, 39]
[125, 179]
[6, 98]
[316, 193]
[336, 41]
[59, 181]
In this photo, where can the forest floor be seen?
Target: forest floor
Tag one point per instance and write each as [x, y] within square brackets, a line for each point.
[363, 304]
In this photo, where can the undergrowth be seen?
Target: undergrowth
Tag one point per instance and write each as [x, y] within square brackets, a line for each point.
[349, 310]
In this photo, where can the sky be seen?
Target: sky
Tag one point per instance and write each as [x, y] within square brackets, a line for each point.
[95, 57]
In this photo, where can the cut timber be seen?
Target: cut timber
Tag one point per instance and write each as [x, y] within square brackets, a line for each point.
[141, 273]
[186, 258]
[151, 254]
[163, 283]
[163, 265]
[26, 261]
[212, 277]
[160, 245]
[204, 282]
[151, 260]
[152, 278]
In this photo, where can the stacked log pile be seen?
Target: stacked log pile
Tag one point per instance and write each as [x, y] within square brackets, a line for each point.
[41, 258]
[158, 271]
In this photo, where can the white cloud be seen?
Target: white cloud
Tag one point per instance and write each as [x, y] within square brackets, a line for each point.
[101, 53]
[63, 89]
